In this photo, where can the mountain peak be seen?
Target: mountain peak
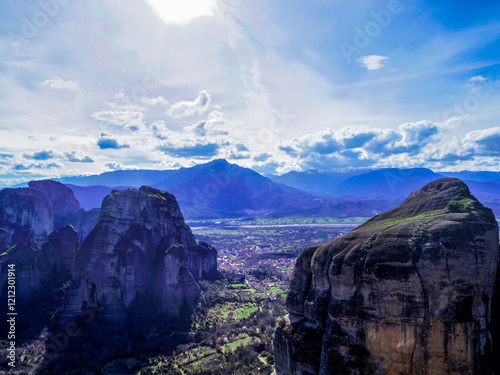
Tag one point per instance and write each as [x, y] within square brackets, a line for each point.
[218, 163]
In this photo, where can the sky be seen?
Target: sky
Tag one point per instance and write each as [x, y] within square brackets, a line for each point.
[99, 85]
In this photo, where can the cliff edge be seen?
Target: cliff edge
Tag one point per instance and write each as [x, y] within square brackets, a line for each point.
[408, 292]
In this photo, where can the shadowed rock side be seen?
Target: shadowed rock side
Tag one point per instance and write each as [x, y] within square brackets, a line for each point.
[408, 292]
[39, 269]
[26, 213]
[140, 251]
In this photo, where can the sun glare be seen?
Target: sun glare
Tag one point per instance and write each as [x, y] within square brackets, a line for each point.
[176, 11]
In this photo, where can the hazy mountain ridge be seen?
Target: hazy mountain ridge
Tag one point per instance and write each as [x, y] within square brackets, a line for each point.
[221, 189]
[395, 184]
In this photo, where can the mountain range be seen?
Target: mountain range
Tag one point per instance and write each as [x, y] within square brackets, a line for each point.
[221, 189]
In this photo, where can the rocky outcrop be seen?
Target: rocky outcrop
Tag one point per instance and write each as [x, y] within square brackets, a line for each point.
[141, 249]
[85, 221]
[29, 275]
[26, 209]
[408, 292]
[5, 240]
[58, 253]
[64, 203]
[66, 208]
[36, 269]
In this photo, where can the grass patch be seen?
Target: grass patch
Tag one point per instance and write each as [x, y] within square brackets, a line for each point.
[413, 218]
[232, 346]
[245, 311]
[232, 311]
[460, 203]
[423, 216]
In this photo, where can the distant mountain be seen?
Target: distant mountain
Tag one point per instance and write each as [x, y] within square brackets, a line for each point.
[313, 181]
[221, 189]
[474, 176]
[92, 196]
[133, 178]
[388, 182]
[214, 189]
[486, 191]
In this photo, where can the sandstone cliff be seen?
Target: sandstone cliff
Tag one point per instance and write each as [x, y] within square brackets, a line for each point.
[66, 208]
[28, 273]
[58, 254]
[25, 210]
[141, 249]
[408, 292]
[40, 269]
[64, 203]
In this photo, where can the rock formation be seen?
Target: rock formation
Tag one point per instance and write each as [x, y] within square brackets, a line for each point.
[141, 249]
[5, 240]
[66, 208]
[58, 253]
[29, 275]
[408, 292]
[64, 203]
[43, 268]
[26, 209]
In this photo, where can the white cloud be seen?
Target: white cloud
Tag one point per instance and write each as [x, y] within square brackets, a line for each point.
[216, 124]
[78, 157]
[372, 62]
[187, 108]
[416, 134]
[359, 146]
[58, 83]
[160, 100]
[477, 79]
[128, 117]
[182, 11]
[485, 142]
[213, 137]
[106, 141]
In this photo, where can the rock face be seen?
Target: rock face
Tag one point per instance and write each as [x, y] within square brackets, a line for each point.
[408, 292]
[26, 209]
[64, 203]
[66, 208]
[29, 275]
[37, 269]
[59, 252]
[140, 250]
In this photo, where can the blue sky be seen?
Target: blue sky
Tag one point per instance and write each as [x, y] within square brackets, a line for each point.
[94, 86]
